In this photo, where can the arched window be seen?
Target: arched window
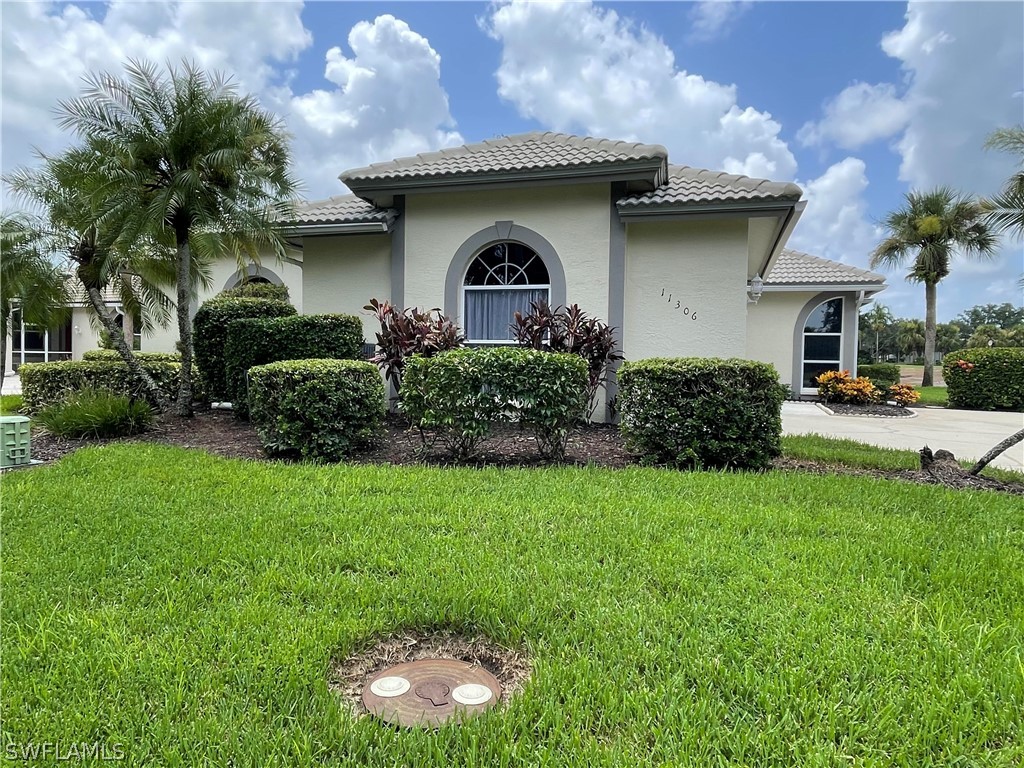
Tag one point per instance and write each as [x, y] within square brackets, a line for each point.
[823, 341]
[503, 279]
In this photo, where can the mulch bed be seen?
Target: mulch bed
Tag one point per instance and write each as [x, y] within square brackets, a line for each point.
[219, 433]
[883, 410]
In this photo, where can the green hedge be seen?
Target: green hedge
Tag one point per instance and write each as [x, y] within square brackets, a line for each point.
[258, 291]
[322, 410]
[210, 334]
[302, 337]
[45, 383]
[985, 379]
[702, 412]
[113, 354]
[882, 375]
[458, 395]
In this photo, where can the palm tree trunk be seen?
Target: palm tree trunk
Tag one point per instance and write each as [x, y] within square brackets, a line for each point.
[184, 301]
[929, 334]
[1009, 442]
[117, 339]
[3, 348]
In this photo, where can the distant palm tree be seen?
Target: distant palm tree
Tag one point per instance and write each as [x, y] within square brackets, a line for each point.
[1006, 210]
[187, 160]
[924, 235]
[63, 190]
[910, 338]
[29, 281]
[878, 318]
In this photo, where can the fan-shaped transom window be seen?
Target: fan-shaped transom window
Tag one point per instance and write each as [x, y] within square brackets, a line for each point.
[503, 279]
[823, 341]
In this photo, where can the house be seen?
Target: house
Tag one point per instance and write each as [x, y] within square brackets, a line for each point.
[683, 261]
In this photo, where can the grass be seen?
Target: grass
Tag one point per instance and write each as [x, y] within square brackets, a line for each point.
[850, 453]
[933, 396]
[187, 608]
[10, 404]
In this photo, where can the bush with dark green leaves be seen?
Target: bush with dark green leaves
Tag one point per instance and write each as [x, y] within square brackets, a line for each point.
[258, 291]
[882, 375]
[210, 334]
[96, 413]
[702, 412]
[113, 354]
[45, 383]
[457, 396]
[302, 337]
[985, 379]
[321, 410]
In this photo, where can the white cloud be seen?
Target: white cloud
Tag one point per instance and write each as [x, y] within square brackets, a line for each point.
[387, 102]
[579, 67]
[860, 114]
[382, 99]
[835, 223]
[713, 18]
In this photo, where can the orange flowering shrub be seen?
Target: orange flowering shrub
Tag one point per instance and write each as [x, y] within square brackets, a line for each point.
[838, 387]
[904, 394]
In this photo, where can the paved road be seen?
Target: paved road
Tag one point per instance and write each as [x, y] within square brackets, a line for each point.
[968, 434]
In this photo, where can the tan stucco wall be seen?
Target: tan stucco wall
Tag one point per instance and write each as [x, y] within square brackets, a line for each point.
[574, 219]
[703, 266]
[85, 332]
[342, 273]
[770, 327]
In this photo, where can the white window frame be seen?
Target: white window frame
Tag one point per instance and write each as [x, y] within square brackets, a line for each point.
[803, 342]
[45, 351]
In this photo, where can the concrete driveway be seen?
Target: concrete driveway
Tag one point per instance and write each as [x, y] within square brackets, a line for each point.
[968, 434]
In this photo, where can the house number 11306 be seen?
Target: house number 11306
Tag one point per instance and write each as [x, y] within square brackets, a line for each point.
[679, 305]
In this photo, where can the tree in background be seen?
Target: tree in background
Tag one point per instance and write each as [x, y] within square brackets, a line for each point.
[924, 235]
[190, 161]
[877, 320]
[910, 340]
[994, 336]
[29, 281]
[1000, 315]
[1005, 211]
[948, 338]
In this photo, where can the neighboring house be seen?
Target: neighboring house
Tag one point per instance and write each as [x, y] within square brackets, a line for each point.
[682, 261]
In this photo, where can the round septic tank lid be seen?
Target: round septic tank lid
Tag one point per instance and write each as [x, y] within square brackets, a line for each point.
[429, 692]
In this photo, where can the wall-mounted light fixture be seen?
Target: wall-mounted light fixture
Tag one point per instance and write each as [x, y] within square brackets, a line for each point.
[755, 289]
[78, 330]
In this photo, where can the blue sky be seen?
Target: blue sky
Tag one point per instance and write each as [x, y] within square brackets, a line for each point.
[857, 102]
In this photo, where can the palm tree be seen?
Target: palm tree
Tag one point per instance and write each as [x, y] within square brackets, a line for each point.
[926, 232]
[1006, 210]
[878, 318]
[29, 281]
[190, 160]
[909, 338]
[63, 189]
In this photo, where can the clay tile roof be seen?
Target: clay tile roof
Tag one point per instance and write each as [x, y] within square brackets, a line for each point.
[796, 268]
[343, 209]
[509, 154]
[695, 186]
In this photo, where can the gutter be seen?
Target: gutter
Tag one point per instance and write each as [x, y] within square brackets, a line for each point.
[863, 288]
[349, 228]
[715, 210]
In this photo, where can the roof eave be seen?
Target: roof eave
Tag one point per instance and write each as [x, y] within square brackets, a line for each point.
[653, 171]
[338, 228]
[820, 286]
[744, 208]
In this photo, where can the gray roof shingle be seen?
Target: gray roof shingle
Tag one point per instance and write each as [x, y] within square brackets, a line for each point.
[509, 154]
[695, 186]
[342, 209]
[797, 268]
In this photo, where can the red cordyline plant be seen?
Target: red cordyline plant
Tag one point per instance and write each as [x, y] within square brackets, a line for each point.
[406, 332]
[571, 330]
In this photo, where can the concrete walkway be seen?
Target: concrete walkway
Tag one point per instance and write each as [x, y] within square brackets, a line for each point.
[968, 434]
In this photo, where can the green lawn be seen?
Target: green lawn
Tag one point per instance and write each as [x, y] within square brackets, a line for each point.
[187, 608]
[933, 396]
[10, 404]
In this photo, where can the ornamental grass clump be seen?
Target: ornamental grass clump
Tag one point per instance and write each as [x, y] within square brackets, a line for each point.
[96, 413]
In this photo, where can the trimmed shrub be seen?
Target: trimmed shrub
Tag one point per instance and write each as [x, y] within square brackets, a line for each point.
[903, 395]
[96, 413]
[210, 334]
[988, 379]
[459, 394]
[258, 291]
[253, 342]
[882, 375]
[43, 384]
[702, 412]
[112, 355]
[322, 410]
[838, 387]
